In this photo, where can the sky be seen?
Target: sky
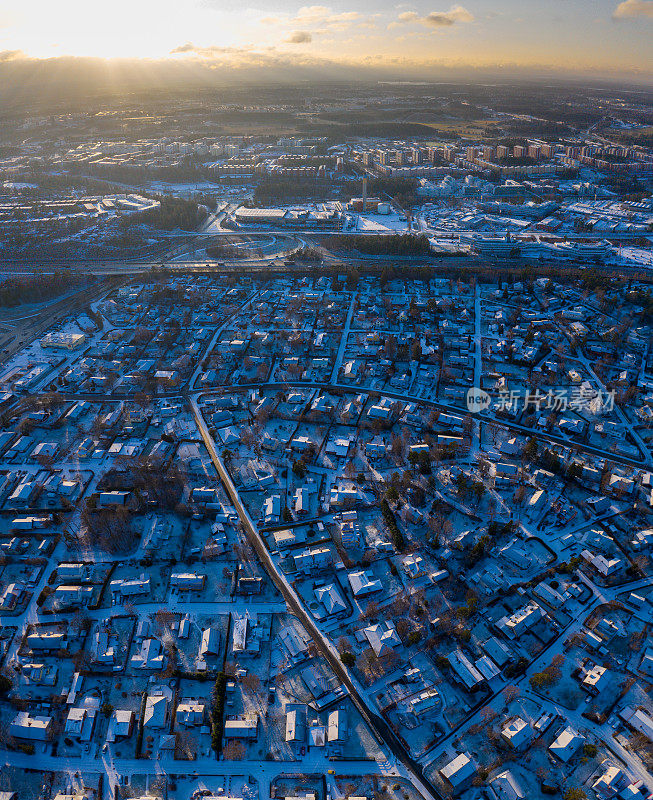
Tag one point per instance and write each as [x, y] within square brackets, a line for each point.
[604, 36]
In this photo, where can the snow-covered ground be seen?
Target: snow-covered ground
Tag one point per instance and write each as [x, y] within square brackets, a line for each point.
[381, 223]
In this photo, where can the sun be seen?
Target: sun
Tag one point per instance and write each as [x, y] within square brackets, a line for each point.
[120, 29]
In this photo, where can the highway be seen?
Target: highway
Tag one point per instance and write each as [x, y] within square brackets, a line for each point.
[278, 265]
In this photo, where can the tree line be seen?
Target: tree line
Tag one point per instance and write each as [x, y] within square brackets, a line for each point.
[405, 244]
[171, 213]
[37, 288]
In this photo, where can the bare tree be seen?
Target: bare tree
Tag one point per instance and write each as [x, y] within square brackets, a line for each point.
[234, 750]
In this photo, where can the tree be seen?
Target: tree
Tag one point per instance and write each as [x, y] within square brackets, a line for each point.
[164, 619]
[185, 746]
[234, 750]
[348, 658]
[371, 609]
[487, 714]
[510, 693]
[574, 793]
[540, 680]
[530, 449]
[251, 682]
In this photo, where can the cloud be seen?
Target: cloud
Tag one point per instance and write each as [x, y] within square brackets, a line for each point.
[633, 8]
[317, 17]
[213, 51]
[436, 19]
[299, 37]
[11, 55]
[444, 19]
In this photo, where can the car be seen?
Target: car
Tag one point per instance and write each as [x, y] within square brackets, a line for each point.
[271, 697]
[331, 772]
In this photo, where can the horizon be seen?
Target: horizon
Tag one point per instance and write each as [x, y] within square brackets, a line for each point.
[603, 39]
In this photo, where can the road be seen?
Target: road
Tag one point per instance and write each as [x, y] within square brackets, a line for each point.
[478, 365]
[265, 771]
[276, 264]
[450, 409]
[343, 340]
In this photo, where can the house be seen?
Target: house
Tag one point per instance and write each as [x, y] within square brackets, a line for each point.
[465, 672]
[302, 501]
[190, 712]
[639, 720]
[497, 651]
[103, 652]
[517, 733]
[507, 787]
[113, 499]
[25, 726]
[514, 625]
[337, 726]
[330, 598]
[150, 656]
[239, 634]
[245, 727]
[383, 638]
[132, 587]
[80, 722]
[459, 772]
[313, 560]
[71, 596]
[381, 410]
[294, 644]
[350, 533]
[249, 584]
[121, 724]
[596, 679]
[156, 707]
[38, 674]
[187, 581]
[548, 594]
[342, 495]
[47, 640]
[271, 510]
[425, 701]
[210, 643]
[284, 538]
[612, 782]
[203, 495]
[602, 564]
[295, 725]
[414, 566]
[567, 744]
[12, 596]
[363, 583]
